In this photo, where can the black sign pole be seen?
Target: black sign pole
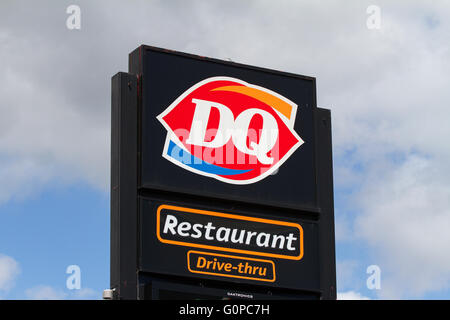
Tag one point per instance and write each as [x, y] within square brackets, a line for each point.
[124, 223]
[326, 204]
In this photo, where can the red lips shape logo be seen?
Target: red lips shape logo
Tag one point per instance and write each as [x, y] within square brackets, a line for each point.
[230, 130]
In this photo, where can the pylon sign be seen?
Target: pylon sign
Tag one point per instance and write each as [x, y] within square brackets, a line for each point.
[221, 173]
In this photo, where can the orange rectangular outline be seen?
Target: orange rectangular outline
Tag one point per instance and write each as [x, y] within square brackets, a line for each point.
[230, 216]
[230, 275]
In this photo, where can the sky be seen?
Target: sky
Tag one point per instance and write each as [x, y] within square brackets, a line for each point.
[385, 81]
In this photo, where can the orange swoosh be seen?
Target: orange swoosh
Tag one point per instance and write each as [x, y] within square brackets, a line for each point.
[283, 107]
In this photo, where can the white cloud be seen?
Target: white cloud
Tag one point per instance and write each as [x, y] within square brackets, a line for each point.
[351, 295]
[85, 294]
[406, 217]
[45, 293]
[9, 269]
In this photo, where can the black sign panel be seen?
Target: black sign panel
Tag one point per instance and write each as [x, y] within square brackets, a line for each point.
[243, 246]
[178, 89]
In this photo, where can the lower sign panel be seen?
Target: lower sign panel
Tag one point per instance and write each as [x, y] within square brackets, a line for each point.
[197, 240]
[230, 266]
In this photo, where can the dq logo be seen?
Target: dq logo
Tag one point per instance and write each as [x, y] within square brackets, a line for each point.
[230, 130]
